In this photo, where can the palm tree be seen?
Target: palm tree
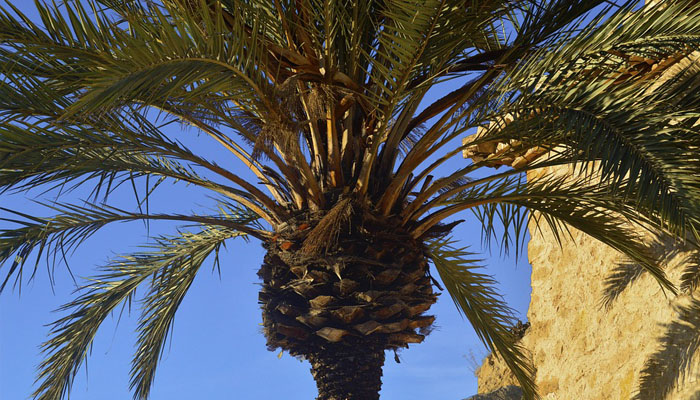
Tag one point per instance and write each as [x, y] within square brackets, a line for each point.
[325, 103]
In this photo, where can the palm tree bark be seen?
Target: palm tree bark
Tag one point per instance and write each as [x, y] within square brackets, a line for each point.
[347, 372]
[338, 289]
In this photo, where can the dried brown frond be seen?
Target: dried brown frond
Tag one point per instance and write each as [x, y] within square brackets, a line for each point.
[275, 132]
[325, 235]
[289, 99]
[266, 140]
[318, 100]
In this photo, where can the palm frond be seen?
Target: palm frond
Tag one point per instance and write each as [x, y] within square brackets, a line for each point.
[498, 65]
[611, 119]
[195, 60]
[476, 298]
[167, 290]
[54, 237]
[627, 272]
[32, 155]
[671, 362]
[545, 22]
[72, 335]
[559, 202]
[154, 57]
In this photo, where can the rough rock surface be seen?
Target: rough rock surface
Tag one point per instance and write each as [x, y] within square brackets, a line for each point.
[580, 349]
[505, 393]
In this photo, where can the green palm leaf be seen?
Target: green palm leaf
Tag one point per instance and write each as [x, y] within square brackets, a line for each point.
[62, 233]
[620, 125]
[169, 263]
[558, 202]
[167, 290]
[475, 296]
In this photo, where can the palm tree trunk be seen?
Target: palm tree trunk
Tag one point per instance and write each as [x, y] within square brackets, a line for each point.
[347, 372]
[341, 297]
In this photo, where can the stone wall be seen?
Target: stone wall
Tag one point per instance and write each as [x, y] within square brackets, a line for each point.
[581, 350]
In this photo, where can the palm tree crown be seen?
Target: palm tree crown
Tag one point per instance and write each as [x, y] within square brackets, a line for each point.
[325, 103]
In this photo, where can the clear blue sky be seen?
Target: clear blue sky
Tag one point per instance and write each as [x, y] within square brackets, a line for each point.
[217, 350]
